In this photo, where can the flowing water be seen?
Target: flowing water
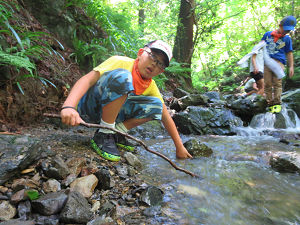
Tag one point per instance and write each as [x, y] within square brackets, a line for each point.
[237, 187]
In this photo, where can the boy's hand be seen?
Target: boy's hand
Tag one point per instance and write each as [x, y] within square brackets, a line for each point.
[256, 71]
[291, 71]
[182, 153]
[70, 117]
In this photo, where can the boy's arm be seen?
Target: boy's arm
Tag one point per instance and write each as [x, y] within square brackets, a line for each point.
[70, 116]
[169, 124]
[291, 63]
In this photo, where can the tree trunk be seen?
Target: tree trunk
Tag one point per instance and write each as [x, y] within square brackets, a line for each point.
[184, 46]
[141, 16]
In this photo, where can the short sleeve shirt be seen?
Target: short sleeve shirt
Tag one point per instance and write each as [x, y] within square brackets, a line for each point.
[122, 62]
[280, 48]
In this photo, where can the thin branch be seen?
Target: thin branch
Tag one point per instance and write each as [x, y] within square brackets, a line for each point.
[91, 125]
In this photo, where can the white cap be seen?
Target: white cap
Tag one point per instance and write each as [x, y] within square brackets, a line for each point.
[162, 46]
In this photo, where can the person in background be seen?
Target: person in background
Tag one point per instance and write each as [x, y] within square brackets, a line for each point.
[251, 87]
[257, 71]
[279, 47]
[120, 93]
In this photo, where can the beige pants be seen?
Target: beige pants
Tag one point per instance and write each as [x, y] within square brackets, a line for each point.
[273, 86]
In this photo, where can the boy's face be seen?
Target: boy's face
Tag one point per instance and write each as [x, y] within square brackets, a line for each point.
[150, 63]
[282, 30]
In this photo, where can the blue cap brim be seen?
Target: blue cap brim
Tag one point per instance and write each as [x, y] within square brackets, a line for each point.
[288, 28]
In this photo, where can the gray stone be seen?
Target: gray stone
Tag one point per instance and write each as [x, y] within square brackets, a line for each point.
[133, 160]
[197, 149]
[50, 204]
[203, 120]
[151, 196]
[285, 162]
[17, 155]
[76, 210]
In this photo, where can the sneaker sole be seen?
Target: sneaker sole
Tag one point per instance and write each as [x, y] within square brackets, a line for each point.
[125, 147]
[104, 154]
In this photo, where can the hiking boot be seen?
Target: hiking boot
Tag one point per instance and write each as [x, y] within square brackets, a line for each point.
[122, 143]
[276, 108]
[105, 145]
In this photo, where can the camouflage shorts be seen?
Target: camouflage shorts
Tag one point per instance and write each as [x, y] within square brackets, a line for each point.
[112, 85]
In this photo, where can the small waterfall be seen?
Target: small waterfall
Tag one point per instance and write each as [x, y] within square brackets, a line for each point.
[286, 120]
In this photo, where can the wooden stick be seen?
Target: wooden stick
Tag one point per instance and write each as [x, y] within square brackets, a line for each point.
[91, 125]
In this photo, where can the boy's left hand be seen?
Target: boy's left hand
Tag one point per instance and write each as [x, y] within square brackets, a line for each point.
[182, 153]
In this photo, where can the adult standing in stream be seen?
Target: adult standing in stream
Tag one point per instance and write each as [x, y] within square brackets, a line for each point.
[120, 93]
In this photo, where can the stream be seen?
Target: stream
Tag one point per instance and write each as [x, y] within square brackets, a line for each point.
[238, 186]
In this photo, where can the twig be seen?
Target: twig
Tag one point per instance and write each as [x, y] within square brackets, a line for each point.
[91, 125]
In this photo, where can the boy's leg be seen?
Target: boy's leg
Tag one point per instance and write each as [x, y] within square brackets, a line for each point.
[102, 103]
[268, 74]
[260, 86]
[136, 111]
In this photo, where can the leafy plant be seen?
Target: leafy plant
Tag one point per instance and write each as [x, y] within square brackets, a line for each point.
[18, 56]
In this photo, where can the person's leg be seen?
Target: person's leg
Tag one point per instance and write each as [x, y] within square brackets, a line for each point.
[268, 85]
[260, 86]
[137, 110]
[277, 83]
[102, 103]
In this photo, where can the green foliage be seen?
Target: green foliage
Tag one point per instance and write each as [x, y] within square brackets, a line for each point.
[83, 49]
[19, 56]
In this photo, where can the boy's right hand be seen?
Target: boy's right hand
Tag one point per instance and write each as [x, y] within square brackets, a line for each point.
[70, 117]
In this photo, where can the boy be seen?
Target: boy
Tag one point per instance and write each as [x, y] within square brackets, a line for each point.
[121, 91]
[279, 47]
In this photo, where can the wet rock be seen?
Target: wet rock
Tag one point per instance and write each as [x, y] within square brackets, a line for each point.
[125, 210]
[108, 209]
[22, 183]
[100, 220]
[51, 185]
[50, 204]
[122, 170]
[178, 93]
[69, 179]
[292, 98]
[18, 222]
[152, 211]
[56, 168]
[18, 196]
[133, 160]
[24, 210]
[46, 220]
[17, 154]
[246, 108]
[75, 165]
[105, 180]
[151, 196]
[96, 206]
[76, 210]
[197, 149]
[188, 100]
[285, 161]
[7, 211]
[85, 185]
[202, 120]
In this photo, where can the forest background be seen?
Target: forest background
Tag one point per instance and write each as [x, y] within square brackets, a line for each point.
[46, 45]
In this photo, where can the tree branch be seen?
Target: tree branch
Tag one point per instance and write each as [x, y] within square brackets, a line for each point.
[91, 125]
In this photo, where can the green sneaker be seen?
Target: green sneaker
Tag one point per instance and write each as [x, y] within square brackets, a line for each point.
[276, 108]
[271, 109]
[122, 143]
[105, 146]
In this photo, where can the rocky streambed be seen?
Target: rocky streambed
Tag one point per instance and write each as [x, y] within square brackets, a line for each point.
[50, 175]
